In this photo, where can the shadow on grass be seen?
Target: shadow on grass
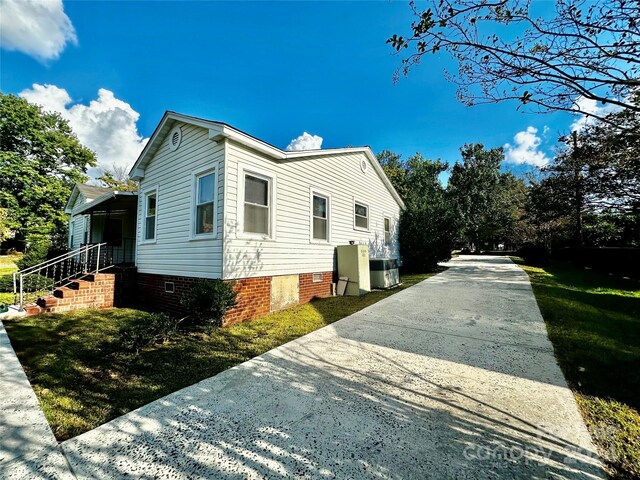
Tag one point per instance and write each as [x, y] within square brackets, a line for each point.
[593, 321]
[83, 380]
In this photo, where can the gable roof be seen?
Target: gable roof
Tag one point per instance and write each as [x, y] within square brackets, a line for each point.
[89, 192]
[221, 130]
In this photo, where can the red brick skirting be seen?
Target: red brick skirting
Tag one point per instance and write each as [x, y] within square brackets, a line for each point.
[310, 289]
[253, 300]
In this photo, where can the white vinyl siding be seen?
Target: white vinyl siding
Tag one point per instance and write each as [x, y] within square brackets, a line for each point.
[293, 249]
[77, 226]
[175, 252]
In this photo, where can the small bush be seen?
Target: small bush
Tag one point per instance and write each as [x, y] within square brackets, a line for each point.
[157, 328]
[31, 283]
[534, 254]
[208, 301]
[36, 253]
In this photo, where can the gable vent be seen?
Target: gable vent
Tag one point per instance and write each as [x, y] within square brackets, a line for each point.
[175, 138]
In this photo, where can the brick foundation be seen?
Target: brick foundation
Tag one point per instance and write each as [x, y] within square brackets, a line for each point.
[253, 300]
[93, 291]
[310, 289]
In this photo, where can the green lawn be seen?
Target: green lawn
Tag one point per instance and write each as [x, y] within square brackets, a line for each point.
[593, 321]
[7, 267]
[82, 382]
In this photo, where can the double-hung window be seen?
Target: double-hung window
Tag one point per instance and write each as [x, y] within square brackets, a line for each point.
[387, 231]
[257, 204]
[361, 216]
[205, 203]
[320, 217]
[150, 207]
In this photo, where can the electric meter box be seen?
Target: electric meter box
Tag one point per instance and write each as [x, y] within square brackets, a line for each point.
[353, 263]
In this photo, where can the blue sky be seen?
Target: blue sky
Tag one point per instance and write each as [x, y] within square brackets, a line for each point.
[274, 70]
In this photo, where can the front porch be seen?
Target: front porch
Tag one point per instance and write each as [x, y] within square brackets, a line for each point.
[112, 221]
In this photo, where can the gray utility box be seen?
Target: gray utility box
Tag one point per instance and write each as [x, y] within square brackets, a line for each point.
[353, 262]
[384, 272]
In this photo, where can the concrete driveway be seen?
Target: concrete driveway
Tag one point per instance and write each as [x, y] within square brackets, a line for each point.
[452, 378]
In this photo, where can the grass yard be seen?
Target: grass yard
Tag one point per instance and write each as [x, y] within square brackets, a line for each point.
[82, 382]
[7, 267]
[593, 321]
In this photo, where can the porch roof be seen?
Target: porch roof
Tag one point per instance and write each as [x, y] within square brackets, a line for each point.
[110, 202]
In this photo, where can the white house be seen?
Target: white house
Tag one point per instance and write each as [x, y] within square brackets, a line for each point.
[215, 202]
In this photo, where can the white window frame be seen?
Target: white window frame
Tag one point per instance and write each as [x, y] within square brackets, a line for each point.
[194, 205]
[143, 231]
[315, 192]
[364, 204]
[270, 177]
[384, 232]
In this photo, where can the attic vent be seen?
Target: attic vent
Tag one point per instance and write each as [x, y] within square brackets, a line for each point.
[364, 165]
[175, 138]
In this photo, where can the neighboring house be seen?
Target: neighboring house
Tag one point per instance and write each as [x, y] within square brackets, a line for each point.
[102, 215]
[215, 202]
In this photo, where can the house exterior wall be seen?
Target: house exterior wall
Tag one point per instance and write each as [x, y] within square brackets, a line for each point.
[291, 249]
[171, 174]
[79, 224]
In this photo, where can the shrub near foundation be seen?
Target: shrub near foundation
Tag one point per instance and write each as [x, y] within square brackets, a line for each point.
[208, 301]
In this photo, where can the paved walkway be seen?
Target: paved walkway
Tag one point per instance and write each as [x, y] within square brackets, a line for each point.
[28, 448]
[452, 378]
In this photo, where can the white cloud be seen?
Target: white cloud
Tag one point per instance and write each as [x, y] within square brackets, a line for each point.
[40, 29]
[305, 141]
[590, 106]
[525, 149]
[107, 125]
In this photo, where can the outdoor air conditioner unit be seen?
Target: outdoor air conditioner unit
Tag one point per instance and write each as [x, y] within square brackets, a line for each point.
[384, 272]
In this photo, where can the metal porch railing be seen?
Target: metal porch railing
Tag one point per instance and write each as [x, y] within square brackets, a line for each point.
[42, 279]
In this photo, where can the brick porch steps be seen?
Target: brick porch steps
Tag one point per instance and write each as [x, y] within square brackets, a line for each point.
[91, 291]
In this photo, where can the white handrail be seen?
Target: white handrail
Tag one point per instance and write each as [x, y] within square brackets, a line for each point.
[61, 271]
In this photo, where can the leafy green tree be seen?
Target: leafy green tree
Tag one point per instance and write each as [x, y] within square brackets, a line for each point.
[473, 189]
[427, 225]
[396, 169]
[40, 161]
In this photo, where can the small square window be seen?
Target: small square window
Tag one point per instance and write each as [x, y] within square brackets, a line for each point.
[317, 277]
[169, 287]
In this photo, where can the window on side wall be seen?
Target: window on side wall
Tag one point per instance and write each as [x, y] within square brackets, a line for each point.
[387, 231]
[205, 203]
[320, 217]
[72, 227]
[150, 210]
[361, 216]
[257, 204]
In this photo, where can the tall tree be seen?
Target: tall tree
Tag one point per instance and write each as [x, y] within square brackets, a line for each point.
[585, 50]
[395, 168]
[473, 187]
[40, 161]
[117, 178]
[427, 225]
